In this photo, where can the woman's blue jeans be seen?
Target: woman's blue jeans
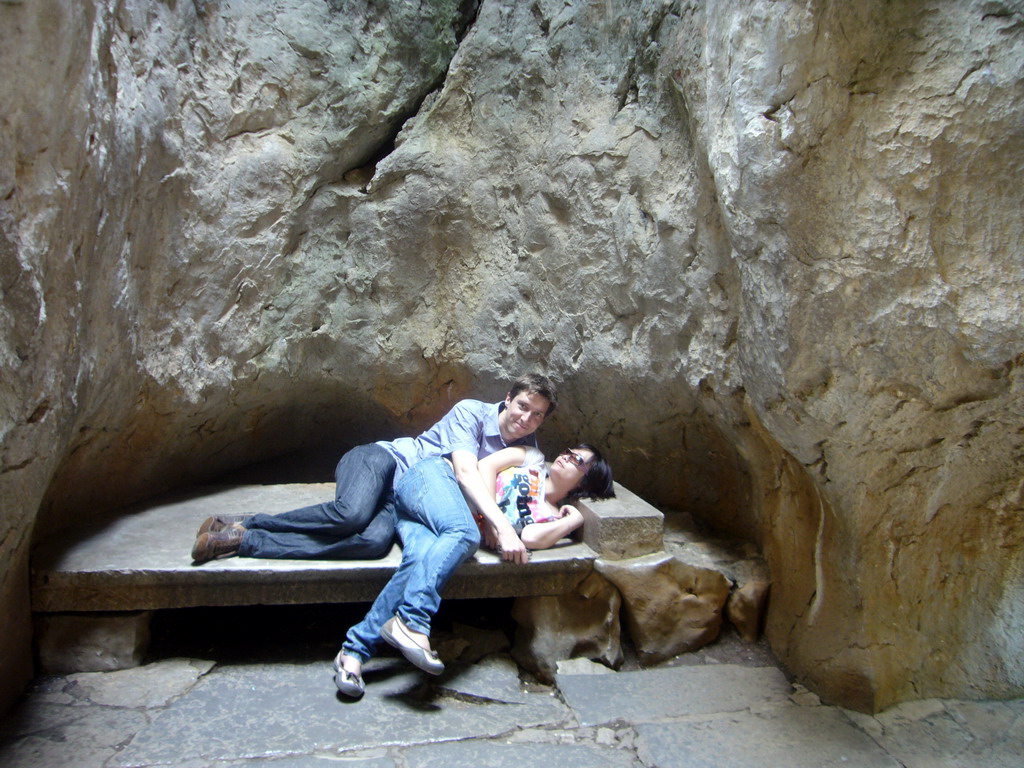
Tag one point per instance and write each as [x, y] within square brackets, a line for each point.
[438, 533]
[357, 525]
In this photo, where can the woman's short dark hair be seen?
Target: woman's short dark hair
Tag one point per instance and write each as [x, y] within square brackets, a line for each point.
[597, 482]
[536, 384]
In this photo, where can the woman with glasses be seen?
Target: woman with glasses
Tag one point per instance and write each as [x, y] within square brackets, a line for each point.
[532, 495]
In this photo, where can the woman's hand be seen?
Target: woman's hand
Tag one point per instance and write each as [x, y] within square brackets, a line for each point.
[569, 511]
[548, 533]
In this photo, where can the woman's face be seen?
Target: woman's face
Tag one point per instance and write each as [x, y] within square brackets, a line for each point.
[572, 465]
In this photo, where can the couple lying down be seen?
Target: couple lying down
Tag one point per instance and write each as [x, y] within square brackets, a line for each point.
[436, 539]
[474, 476]
[533, 498]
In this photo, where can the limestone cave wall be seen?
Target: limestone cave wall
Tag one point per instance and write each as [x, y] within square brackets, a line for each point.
[771, 250]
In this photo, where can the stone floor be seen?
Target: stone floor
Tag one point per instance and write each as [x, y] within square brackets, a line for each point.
[254, 687]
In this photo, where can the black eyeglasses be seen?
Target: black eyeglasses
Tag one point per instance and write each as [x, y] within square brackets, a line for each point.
[578, 461]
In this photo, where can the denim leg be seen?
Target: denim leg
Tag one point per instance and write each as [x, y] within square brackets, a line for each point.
[362, 639]
[369, 544]
[363, 478]
[438, 533]
[428, 497]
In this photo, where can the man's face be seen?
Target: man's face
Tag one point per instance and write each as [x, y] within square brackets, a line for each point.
[522, 415]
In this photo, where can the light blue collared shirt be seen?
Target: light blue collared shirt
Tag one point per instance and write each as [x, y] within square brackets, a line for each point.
[471, 425]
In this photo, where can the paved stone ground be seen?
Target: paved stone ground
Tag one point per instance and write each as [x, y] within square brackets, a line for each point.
[261, 694]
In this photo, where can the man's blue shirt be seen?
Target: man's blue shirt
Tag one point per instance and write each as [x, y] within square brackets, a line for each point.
[471, 425]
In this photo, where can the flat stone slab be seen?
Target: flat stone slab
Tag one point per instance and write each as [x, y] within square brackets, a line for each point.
[226, 715]
[148, 687]
[308, 761]
[720, 715]
[791, 736]
[140, 559]
[653, 694]
[622, 527]
[937, 733]
[88, 736]
[504, 755]
[189, 713]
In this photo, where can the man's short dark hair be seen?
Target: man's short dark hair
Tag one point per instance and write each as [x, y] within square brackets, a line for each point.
[535, 384]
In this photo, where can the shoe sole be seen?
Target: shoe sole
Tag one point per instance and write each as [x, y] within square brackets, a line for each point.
[353, 690]
[220, 522]
[221, 556]
[413, 654]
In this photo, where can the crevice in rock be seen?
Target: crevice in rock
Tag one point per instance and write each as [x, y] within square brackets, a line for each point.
[543, 23]
[628, 89]
[362, 171]
[466, 19]
[40, 412]
[471, 698]
[16, 467]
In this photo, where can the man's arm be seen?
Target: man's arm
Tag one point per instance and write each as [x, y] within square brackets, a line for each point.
[467, 472]
[490, 466]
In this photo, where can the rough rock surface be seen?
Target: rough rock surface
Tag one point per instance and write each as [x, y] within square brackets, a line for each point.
[582, 624]
[87, 642]
[771, 249]
[745, 608]
[671, 606]
[738, 561]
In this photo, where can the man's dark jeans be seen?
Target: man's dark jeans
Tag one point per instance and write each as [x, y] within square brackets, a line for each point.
[358, 525]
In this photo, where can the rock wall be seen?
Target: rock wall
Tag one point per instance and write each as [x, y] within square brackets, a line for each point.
[771, 250]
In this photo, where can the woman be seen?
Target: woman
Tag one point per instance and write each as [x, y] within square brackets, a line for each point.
[532, 496]
[438, 533]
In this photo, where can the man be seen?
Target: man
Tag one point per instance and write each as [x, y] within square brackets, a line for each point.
[434, 503]
[360, 522]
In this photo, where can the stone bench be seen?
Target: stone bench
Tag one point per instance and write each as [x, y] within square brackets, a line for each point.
[102, 580]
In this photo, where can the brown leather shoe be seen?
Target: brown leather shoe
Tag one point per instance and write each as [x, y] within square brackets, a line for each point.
[217, 545]
[220, 522]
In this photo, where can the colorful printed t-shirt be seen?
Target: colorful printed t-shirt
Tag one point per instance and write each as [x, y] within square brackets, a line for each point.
[520, 492]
